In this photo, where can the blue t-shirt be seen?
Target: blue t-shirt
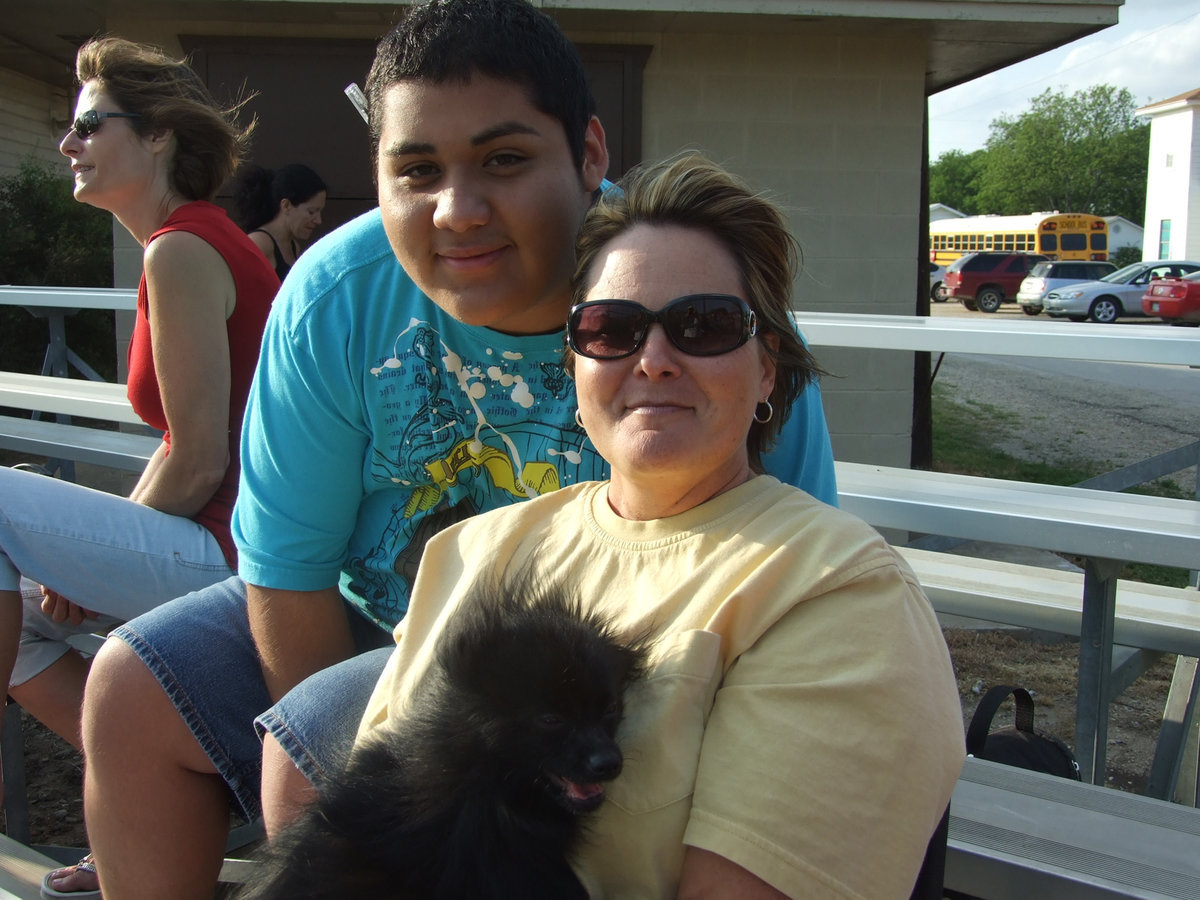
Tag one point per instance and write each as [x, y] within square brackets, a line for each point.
[376, 419]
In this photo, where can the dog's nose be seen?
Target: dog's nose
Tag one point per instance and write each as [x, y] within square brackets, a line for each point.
[605, 764]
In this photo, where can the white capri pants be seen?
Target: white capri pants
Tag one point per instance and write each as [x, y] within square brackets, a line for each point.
[103, 552]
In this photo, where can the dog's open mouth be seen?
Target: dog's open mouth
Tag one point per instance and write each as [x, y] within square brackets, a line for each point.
[577, 796]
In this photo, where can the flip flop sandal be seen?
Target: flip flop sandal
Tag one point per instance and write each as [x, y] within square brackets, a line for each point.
[87, 864]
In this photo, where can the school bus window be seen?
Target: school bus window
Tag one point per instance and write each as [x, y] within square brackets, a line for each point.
[1019, 234]
[1074, 241]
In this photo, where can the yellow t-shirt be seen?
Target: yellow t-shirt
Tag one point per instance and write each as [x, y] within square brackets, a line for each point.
[799, 717]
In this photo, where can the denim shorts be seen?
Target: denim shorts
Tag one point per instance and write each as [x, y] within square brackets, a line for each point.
[200, 650]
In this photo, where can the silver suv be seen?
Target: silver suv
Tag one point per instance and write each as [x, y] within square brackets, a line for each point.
[1046, 276]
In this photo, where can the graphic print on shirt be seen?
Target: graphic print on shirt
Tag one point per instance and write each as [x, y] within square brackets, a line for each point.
[464, 429]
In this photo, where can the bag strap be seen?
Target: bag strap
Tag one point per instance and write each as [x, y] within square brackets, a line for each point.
[981, 721]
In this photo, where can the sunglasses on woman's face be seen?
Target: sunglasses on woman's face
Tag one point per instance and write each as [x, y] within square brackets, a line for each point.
[88, 123]
[698, 325]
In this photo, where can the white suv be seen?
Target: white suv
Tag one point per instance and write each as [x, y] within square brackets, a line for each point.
[1046, 276]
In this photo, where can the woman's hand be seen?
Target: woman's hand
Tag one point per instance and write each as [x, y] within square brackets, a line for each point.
[60, 609]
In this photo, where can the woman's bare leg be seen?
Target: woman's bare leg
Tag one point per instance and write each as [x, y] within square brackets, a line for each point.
[285, 790]
[157, 812]
[55, 696]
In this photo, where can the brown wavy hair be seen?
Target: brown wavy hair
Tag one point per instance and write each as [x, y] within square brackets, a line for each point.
[691, 191]
[166, 93]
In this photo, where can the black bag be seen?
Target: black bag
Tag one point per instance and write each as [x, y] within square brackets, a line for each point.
[1017, 745]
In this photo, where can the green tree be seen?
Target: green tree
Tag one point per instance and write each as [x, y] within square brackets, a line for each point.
[1125, 256]
[954, 180]
[1083, 152]
[48, 238]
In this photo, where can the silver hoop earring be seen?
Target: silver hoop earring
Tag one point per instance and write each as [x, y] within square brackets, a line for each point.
[579, 421]
[770, 412]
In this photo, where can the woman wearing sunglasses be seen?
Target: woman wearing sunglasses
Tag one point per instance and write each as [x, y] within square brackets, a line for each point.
[799, 731]
[151, 146]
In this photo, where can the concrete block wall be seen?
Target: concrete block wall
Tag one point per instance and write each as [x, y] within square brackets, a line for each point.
[828, 120]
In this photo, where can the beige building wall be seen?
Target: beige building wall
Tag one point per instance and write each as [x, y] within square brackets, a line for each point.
[826, 118]
[33, 118]
[828, 121]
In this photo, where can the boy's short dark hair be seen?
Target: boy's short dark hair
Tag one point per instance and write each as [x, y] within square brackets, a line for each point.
[450, 40]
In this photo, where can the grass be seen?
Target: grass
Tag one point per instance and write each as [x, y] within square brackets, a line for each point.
[965, 434]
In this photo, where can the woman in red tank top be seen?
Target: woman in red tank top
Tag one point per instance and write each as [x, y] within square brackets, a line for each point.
[152, 146]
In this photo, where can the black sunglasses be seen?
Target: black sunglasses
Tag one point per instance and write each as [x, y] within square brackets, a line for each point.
[698, 325]
[89, 122]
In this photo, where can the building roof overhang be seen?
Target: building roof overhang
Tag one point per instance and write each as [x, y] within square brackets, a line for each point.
[965, 38]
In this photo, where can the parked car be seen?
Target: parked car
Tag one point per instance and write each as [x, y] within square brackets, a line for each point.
[937, 291]
[983, 281]
[1113, 296]
[1175, 300]
[1047, 276]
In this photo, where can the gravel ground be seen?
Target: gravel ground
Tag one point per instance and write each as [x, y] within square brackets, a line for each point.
[1047, 419]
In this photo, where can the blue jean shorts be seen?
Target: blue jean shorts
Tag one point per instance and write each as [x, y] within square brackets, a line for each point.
[200, 650]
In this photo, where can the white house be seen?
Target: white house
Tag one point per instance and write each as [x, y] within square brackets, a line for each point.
[939, 211]
[1173, 178]
[1123, 233]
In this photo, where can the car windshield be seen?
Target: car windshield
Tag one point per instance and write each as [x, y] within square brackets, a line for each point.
[1127, 274]
[1040, 270]
[1192, 276]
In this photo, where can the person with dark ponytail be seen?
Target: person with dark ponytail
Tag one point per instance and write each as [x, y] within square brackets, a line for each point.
[279, 209]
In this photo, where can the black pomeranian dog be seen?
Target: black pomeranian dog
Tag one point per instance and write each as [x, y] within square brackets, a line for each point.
[479, 791]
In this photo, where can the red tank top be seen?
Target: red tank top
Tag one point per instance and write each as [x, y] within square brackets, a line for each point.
[255, 283]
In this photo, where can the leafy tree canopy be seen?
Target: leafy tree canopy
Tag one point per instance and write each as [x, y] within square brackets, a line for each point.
[954, 180]
[1081, 152]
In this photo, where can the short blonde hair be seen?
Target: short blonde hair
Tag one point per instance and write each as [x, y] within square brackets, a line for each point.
[691, 191]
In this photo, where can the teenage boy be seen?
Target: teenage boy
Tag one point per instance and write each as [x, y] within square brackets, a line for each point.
[410, 377]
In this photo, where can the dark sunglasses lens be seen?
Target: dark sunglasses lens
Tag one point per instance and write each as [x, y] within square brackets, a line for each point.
[87, 124]
[606, 331]
[705, 326]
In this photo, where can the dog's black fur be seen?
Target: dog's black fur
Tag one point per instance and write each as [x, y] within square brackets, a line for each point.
[479, 790]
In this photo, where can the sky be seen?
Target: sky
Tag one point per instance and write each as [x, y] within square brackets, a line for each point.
[1154, 51]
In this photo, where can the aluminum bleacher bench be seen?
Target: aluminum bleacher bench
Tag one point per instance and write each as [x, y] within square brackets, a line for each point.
[57, 440]
[128, 449]
[1150, 620]
[1016, 834]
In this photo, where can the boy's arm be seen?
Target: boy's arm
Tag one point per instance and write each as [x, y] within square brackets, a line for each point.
[303, 443]
[710, 875]
[297, 633]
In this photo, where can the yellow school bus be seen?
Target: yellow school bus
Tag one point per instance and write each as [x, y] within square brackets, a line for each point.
[1056, 235]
